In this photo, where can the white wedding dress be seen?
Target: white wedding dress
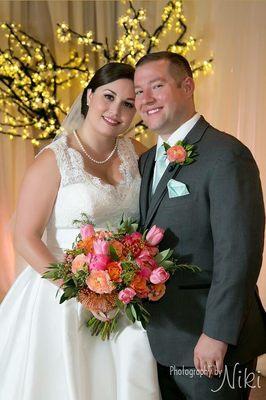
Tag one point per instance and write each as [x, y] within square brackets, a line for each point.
[46, 351]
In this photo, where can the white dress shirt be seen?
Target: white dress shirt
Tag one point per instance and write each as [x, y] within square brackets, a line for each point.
[180, 134]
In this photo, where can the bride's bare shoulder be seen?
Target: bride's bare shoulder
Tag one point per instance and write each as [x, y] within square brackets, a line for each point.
[138, 146]
[37, 195]
[44, 167]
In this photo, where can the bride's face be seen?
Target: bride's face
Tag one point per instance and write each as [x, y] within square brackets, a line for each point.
[111, 107]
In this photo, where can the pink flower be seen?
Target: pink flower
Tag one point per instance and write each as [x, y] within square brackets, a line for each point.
[132, 238]
[155, 235]
[146, 264]
[126, 295]
[86, 231]
[159, 275]
[136, 235]
[100, 282]
[177, 154]
[145, 272]
[99, 262]
[146, 256]
[79, 262]
[133, 244]
[101, 247]
[151, 250]
[144, 253]
[144, 261]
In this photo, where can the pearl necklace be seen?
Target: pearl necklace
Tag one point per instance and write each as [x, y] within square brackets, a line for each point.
[90, 157]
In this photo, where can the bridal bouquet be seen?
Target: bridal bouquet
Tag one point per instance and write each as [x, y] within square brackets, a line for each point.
[114, 272]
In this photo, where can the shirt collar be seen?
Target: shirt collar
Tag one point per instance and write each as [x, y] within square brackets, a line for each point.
[180, 133]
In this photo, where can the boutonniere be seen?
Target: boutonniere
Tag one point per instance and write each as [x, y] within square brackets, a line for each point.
[180, 153]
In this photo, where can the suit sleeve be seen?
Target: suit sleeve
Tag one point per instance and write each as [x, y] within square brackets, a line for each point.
[237, 222]
[142, 162]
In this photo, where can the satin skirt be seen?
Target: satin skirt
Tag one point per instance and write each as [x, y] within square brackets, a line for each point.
[48, 353]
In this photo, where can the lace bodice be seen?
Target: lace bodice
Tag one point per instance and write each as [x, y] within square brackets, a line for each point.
[80, 192]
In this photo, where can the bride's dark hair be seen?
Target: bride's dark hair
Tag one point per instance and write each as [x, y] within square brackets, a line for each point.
[106, 74]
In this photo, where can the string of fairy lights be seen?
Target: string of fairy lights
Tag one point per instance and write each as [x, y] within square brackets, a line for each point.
[32, 81]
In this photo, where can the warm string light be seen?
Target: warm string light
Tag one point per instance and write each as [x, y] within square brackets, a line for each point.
[31, 81]
[30, 85]
[136, 40]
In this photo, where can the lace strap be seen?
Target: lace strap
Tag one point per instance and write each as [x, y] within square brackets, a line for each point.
[58, 146]
[70, 162]
[129, 157]
[60, 149]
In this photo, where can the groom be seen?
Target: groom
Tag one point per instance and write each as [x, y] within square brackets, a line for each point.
[213, 215]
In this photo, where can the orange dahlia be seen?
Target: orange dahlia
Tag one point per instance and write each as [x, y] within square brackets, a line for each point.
[97, 302]
[133, 244]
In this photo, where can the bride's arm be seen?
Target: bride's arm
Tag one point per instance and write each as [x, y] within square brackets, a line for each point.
[37, 196]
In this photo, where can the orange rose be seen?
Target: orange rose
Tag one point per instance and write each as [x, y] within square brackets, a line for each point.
[157, 291]
[86, 244]
[139, 284]
[115, 270]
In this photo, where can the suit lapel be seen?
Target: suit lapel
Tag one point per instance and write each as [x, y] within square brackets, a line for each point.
[172, 170]
[197, 131]
[160, 191]
[145, 183]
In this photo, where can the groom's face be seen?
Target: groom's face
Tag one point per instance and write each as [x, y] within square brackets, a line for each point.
[162, 100]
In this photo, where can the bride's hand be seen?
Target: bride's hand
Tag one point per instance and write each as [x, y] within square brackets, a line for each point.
[104, 316]
[100, 315]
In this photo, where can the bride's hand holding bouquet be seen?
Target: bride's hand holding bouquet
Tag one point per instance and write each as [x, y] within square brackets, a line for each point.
[115, 272]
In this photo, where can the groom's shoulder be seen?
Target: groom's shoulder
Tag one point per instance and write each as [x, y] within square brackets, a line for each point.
[224, 144]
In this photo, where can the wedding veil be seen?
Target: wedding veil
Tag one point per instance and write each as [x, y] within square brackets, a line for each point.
[73, 119]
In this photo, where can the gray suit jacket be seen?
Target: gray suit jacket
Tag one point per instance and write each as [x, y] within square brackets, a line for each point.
[219, 226]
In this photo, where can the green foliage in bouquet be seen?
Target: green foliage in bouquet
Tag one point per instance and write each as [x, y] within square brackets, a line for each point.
[114, 272]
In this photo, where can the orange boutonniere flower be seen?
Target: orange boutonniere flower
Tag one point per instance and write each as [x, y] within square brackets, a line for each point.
[180, 153]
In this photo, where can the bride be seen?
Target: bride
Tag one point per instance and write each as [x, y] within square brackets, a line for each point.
[46, 350]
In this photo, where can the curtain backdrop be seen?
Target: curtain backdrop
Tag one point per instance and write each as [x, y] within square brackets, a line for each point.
[232, 99]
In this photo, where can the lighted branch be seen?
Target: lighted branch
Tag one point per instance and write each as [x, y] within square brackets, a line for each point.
[31, 80]
[135, 40]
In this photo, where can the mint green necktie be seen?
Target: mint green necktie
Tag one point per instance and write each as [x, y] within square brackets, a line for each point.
[160, 167]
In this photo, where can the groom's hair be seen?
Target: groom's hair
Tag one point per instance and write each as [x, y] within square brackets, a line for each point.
[179, 65]
[106, 74]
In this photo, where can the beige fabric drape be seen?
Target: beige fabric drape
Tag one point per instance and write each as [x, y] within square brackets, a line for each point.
[232, 99]
[39, 18]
